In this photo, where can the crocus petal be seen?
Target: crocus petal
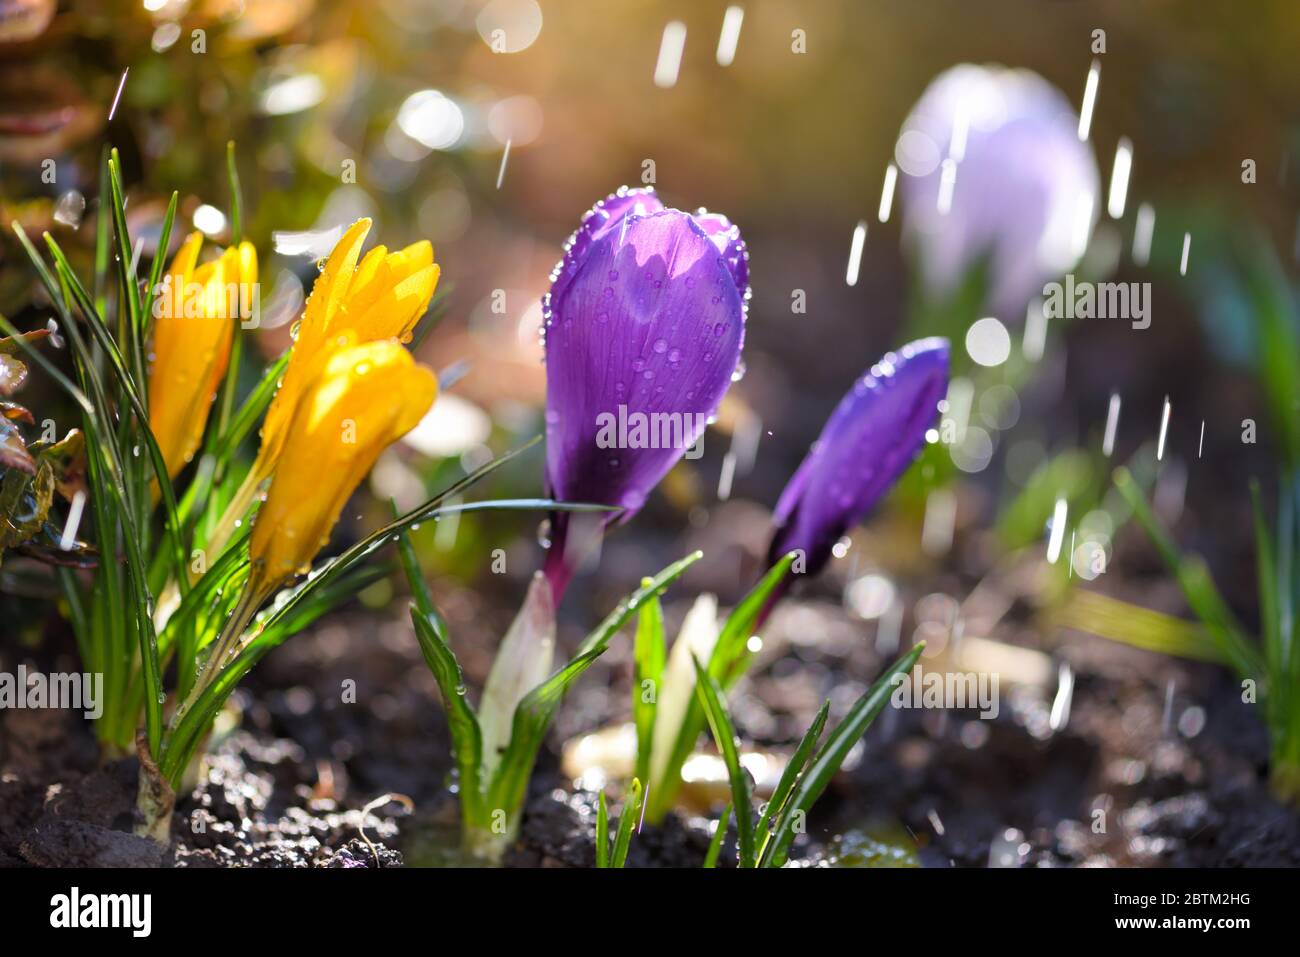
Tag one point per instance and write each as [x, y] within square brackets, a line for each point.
[378, 275]
[383, 296]
[322, 305]
[362, 399]
[192, 334]
[1023, 186]
[596, 223]
[523, 661]
[727, 238]
[399, 307]
[651, 323]
[866, 444]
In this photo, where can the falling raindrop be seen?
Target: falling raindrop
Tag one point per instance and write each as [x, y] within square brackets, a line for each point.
[70, 208]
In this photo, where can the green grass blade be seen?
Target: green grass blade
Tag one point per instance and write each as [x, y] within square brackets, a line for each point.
[1194, 579]
[129, 388]
[648, 667]
[602, 831]
[159, 260]
[627, 819]
[1122, 621]
[535, 712]
[724, 734]
[785, 787]
[250, 410]
[728, 661]
[462, 722]
[1266, 572]
[102, 224]
[827, 761]
[1288, 578]
[731, 655]
[532, 718]
[600, 636]
[236, 196]
[719, 836]
[134, 325]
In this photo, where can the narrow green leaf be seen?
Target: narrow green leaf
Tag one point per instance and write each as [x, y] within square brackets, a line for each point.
[785, 786]
[724, 734]
[102, 224]
[1266, 572]
[462, 722]
[731, 655]
[727, 663]
[333, 567]
[129, 388]
[647, 674]
[1118, 620]
[602, 831]
[600, 636]
[827, 761]
[1197, 586]
[627, 819]
[133, 324]
[236, 196]
[720, 835]
[532, 719]
[156, 268]
[535, 712]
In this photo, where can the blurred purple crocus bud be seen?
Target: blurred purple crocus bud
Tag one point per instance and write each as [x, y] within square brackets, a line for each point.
[993, 166]
[866, 444]
[643, 329]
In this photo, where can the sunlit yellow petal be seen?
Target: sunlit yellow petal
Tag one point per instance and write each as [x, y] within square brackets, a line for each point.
[399, 308]
[360, 400]
[192, 335]
[326, 297]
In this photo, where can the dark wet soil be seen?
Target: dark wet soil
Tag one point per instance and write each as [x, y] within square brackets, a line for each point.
[1128, 780]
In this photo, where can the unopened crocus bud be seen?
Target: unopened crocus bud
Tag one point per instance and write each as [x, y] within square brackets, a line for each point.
[993, 167]
[195, 315]
[866, 444]
[361, 398]
[644, 324]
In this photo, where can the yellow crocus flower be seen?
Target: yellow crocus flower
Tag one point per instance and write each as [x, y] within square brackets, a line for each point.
[382, 296]
[360, 399]
[195, 317]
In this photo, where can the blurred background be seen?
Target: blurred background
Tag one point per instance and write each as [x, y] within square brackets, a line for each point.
[490, 127]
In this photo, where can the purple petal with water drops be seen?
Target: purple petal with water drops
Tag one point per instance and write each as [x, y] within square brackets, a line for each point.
[727, 238]
[867, 443]
[597, 222]
[641, 345]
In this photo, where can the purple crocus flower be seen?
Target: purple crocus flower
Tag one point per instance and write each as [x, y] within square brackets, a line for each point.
[1023, 188]
[644, 324]
[866, 444]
